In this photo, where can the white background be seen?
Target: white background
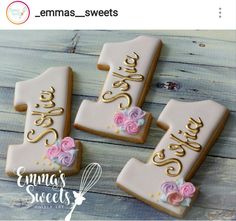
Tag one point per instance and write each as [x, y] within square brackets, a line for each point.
[133, 14]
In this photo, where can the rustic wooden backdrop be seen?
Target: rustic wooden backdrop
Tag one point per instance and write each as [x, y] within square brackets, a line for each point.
[199, 64]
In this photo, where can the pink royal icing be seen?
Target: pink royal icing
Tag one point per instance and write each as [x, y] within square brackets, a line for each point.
[62, 152]
[187, 190]
[175, 198]
[119, 119]
[53, 152]
[130, 120]
[131, 127]
[67, 143]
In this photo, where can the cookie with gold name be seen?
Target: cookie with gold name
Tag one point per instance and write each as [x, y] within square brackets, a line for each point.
[117, 113]
[46, 147]
[164, 181]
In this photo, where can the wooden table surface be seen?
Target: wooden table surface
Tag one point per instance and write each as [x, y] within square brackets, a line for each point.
[202, 64]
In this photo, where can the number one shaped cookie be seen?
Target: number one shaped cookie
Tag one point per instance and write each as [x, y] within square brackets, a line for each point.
[163, 182]
[45, 149]
[117, 113]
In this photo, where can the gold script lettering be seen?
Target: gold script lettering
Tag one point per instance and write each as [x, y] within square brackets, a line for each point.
[170, 169]
[47, 96]
[123, 84]
[45, 118]
[193, 126]
[117, 96]
[41, 135]
[129, 68]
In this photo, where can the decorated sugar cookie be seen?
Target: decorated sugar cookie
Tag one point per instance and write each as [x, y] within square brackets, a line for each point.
[164, 181]
[46, 147]
[117, 112]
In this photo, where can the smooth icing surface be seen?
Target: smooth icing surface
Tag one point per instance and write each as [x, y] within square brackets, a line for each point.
[144, 180]
[132, 65]
[47, 99]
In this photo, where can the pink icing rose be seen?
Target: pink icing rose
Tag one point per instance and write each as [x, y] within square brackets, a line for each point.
[136, 113]
[67, 143]
[168, 187]
[174, 198]
[53, 152]
[119, 119]
[187, 190]
[66, 159]
[131, 127]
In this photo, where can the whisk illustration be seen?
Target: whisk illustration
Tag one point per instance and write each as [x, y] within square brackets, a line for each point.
[90, 177]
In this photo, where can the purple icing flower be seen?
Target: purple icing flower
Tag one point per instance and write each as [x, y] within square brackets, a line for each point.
[136, 113]
[66, 158]
[168, 187]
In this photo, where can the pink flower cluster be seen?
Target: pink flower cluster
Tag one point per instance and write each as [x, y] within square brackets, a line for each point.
[177, 193]
[130, 120]
[62, 153]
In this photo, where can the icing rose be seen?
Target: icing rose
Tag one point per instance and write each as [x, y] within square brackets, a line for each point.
[187, 190]
[129, 120]
[168, 187]
[131, 127]
[119, 119]
[53, 152]
[67, 143]
[174, 198]
[136, 113]
[66, 159]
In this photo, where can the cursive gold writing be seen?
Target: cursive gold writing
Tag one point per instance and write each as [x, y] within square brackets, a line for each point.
[170, 171]
[130, 75]
[47, 96]
[41, 135]
[124, 86]
[45, 118]
[193, 126]
[117, 96]
[188, 141]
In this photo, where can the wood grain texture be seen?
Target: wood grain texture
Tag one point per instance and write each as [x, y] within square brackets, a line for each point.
[193, 82]
[201, 64]
[182, 49]
[16, 205]
[60, 41]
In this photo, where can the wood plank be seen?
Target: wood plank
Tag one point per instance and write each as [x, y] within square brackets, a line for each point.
[202, 47]
[193, 82]
[214, 177]
[63, 41]
[224, 35]
[176, 48]
[16, 204]
[224, 147]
